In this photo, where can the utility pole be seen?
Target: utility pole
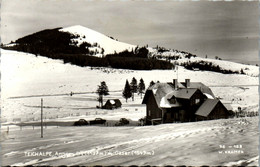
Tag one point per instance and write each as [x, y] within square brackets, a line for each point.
[41, 119]
[177, 72]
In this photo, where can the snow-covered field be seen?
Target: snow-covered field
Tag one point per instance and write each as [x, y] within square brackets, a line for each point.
[26, 79]
[218, 142]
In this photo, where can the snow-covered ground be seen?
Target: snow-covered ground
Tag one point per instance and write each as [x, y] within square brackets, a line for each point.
[26, 79]
[213, 143]
[27, 75]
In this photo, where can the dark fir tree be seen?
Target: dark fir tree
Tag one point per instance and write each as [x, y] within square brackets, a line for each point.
[133, 86]
[141, 87]
[151, 83]
[127, 91]
[102, 91]
[242, 71]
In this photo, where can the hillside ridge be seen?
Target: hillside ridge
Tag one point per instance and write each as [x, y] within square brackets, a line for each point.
[85, 47]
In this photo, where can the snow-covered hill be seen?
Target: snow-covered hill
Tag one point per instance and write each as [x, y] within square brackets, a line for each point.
[93, 43]
[110, 45]
[87, 35]
[250, 70]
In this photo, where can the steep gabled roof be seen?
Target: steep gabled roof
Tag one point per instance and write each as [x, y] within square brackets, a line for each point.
[203, 88]
[162, 92]
[159, 90]
[228, 106]
[185, 93]
[206, 108]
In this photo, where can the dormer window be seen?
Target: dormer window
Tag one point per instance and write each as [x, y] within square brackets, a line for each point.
[197, 101]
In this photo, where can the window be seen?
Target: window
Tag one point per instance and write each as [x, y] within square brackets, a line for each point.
[149, 112]
[172, 101]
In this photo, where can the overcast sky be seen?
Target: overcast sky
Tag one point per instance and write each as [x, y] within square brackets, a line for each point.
[225, 29]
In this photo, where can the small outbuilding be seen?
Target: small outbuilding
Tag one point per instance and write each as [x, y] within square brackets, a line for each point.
[112, 104]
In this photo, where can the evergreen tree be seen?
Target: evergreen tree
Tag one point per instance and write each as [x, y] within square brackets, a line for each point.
[102, 51]
[102, 91]
[151, 83]
[141, 87]
[136, 49]
[133, 86]
[127, 91]
[242, 71]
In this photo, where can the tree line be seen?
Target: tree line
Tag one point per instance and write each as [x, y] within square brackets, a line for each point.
[132, 88]
[208, 66]
[128, 91]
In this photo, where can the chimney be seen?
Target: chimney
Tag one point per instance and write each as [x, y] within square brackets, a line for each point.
[187, 83]
[175, 84]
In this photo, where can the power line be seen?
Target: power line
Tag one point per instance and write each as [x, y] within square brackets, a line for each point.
[62, 94]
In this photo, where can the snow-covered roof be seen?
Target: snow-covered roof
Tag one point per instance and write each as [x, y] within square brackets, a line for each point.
[158, 90]
[208, 96]
[203, 88]
[154, 90]
[163, 92]
[185, 93]
[112, 101]
[165, 103]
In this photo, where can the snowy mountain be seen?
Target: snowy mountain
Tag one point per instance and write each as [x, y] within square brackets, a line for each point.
[58, 43]
[87, 35]
[110, 45]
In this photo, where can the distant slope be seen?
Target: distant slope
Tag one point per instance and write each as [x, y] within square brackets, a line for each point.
[87, 35]
[250, 70]
[85, 47]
